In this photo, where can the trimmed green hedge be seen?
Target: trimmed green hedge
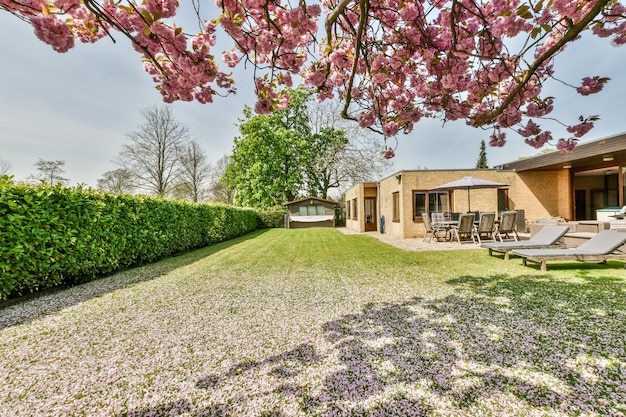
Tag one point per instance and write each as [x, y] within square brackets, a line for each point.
[53, 236]
[271, 218]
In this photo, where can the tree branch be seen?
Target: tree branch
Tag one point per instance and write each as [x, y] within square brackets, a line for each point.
[570, 35]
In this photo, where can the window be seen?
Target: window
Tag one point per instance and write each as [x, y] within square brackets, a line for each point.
[312, 210]
[427, 202]
[355, 210]
[419, 204]
[348, 211]
[396, 206]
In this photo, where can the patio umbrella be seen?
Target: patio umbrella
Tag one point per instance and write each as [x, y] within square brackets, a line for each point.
[469, 183]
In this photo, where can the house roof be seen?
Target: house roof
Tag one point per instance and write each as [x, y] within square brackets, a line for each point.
[600, 153]
[321, 200]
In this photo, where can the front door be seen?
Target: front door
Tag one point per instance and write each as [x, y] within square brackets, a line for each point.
[370, 214]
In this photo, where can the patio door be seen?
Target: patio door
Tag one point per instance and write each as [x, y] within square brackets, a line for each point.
[580, 206]
[370, 214]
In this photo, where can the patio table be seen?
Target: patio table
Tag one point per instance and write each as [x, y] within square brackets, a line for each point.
[447, 224]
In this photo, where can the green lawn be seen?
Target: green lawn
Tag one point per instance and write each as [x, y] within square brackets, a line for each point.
[315, 322]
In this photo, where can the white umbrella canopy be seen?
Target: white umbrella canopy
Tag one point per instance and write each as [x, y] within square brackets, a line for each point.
[469, 183]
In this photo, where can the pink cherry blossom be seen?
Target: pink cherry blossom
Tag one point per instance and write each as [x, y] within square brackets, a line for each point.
[54, 32]
[391, 128]
[283, 102]
[230, 58]
[166, 8]
[580, 129]
[539, 140]
[539, 108]
[531, 129]
[389, 153]
[263, 106]
[498, 139]
[566, 145]
[366, 119]
[591, 85]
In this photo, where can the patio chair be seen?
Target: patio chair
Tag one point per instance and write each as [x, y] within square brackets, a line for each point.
[547, 237]
[601, 247]
[432, 230]
[438, 217]
[464, 228]
[507, 226]
[485, 227]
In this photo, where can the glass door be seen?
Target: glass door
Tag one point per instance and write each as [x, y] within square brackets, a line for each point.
[370, 214]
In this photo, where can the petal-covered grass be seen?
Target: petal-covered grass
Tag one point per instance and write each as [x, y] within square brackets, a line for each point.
[315, 322]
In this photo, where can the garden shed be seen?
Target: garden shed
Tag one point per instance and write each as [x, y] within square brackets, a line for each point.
[310, 212]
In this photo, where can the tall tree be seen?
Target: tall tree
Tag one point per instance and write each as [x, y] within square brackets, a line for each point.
[51, 172]
[300, 150]
[195, 172]
[219, 189]
[268, 160]
[482, 156]
[153, 154]
[393, 63]
[350, 155]
[323, 170]
[117, 181]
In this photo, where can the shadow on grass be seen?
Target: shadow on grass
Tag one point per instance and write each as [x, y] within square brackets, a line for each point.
[49, 302]
[499, 345]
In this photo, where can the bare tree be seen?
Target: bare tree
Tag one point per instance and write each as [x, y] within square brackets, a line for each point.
[119, 180]
[357, 160]
[50, 172]
[219, 190]
[153, 154]
[5, 167]
[194, 173]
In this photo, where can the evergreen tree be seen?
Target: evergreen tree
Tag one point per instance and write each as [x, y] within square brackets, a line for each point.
[482, 156]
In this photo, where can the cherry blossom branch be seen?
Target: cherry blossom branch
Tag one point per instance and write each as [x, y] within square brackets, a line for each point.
[572, 32]
[364, 8]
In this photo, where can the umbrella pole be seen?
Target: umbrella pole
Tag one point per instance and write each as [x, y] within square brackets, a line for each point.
[469, 206]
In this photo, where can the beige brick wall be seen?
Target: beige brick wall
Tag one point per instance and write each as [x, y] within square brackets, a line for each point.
[542, 194]
[359, 192]
[351, 194]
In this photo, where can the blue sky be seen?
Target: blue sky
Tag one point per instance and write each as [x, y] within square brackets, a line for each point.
[78, 106]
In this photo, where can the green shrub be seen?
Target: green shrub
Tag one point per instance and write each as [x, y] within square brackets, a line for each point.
[271, 218]
[53, 236]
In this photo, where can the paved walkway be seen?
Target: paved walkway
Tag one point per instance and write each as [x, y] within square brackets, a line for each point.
[417, 244]
[414, 244]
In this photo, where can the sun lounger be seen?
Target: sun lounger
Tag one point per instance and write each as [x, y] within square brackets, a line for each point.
[547, 237]
[600, 248]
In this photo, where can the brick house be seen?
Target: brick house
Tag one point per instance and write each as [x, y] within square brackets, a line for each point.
[586, 184]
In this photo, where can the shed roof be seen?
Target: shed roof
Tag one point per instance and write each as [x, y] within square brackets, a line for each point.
[321, 200]
[589, 155]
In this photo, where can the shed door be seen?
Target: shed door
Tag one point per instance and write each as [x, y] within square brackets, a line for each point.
[370, 214]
